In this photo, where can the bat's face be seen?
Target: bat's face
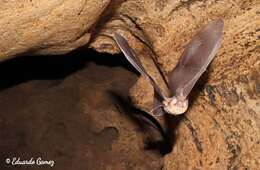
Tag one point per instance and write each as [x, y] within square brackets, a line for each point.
[175, 106]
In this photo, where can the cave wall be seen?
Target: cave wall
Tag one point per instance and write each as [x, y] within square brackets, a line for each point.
[221, 128]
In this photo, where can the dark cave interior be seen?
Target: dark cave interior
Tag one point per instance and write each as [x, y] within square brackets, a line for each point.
[49, 107]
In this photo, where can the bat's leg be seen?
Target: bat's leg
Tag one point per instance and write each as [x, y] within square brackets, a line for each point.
[158, 107]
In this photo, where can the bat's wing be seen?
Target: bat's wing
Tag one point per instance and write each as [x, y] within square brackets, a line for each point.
[131, 57]
[195, 59]
[157, 107]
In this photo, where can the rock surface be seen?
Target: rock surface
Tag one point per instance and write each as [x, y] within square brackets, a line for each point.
[71, 118]
[221, 128]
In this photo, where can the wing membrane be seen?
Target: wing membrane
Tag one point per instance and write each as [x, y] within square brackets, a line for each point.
[195, 59]
[131, 57]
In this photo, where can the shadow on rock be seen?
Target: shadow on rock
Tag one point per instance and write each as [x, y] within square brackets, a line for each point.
[146, 123]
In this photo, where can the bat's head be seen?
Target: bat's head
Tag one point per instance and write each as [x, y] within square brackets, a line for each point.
[175, 106]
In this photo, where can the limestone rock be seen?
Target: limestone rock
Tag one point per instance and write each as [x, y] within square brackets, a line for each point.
[221, 128]
[47, 27]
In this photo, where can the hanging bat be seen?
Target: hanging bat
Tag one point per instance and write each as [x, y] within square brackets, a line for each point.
[195, 59]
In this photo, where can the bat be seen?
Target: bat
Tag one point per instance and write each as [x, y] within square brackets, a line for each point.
[195, 59]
